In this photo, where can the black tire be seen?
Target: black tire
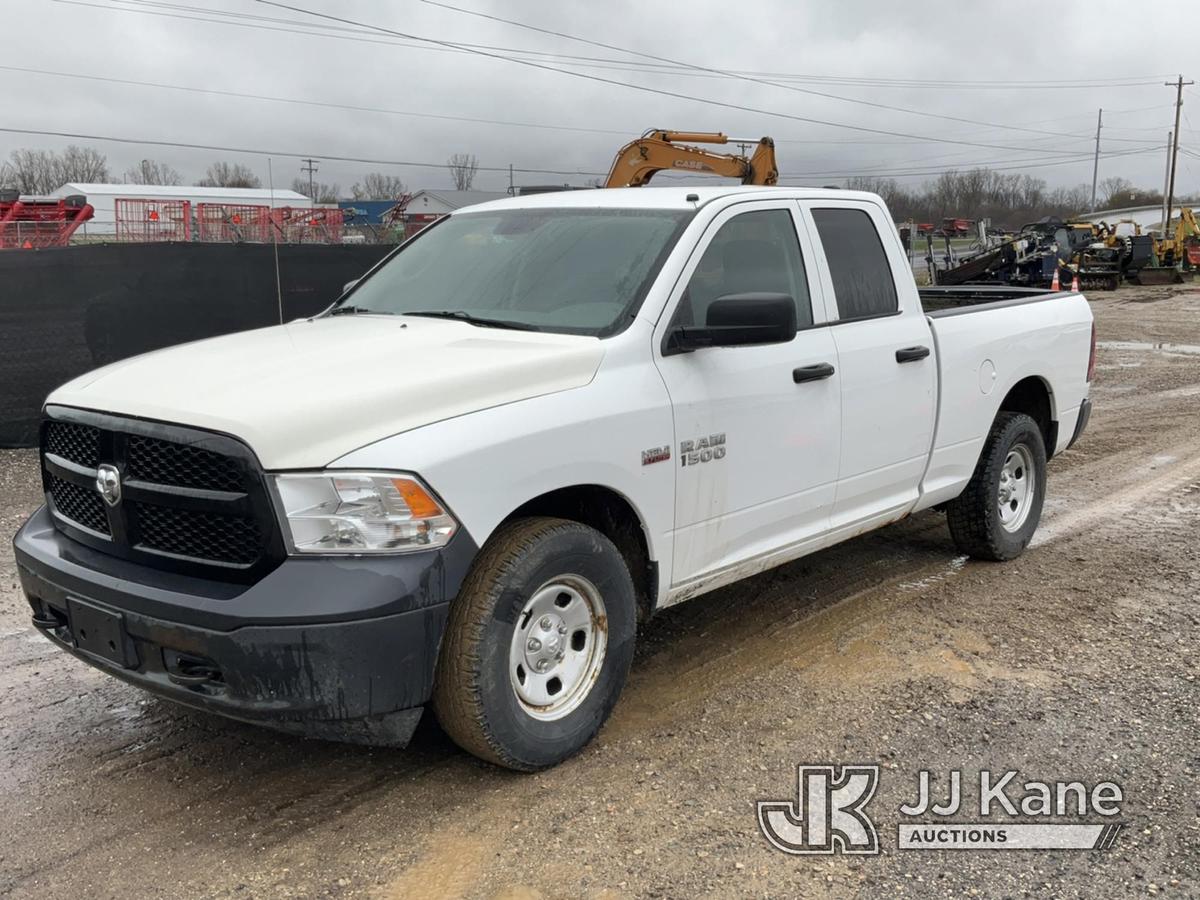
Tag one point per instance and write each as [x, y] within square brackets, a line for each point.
[974, 516]
[474, 697]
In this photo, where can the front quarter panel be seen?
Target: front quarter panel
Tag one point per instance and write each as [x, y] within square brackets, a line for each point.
[487, 464]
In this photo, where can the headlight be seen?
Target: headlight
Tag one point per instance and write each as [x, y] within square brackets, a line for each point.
[361, 512]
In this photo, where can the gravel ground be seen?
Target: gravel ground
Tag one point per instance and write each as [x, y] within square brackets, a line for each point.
[1077, 661]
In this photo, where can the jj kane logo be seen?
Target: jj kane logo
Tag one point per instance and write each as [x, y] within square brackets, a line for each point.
[829, 814]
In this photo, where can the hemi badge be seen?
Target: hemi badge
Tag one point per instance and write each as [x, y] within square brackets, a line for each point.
[656, 454]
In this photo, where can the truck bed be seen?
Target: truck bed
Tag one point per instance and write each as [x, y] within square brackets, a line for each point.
[951, 301]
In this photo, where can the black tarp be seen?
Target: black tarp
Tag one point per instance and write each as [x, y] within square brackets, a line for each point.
[67, 310]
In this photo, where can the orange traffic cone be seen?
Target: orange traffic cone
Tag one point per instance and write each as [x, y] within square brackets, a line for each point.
[1054, 285]
[28, 245]
[1075, 283]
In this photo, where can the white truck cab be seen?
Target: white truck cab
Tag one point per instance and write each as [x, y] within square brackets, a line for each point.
[536, 423]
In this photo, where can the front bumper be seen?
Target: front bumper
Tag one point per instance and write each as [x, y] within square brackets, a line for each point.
[333, 648]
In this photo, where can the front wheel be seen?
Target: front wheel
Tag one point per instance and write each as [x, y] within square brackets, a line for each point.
[538, 644]
[996, 515]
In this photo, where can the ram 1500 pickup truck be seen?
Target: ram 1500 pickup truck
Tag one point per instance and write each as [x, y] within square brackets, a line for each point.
[530, 427]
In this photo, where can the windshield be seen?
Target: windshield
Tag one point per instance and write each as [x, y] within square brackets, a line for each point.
[580, 271]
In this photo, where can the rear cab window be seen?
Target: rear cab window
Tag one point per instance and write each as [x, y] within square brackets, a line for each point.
[863, 283]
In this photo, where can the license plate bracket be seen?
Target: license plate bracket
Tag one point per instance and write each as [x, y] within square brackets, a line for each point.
[100, 631]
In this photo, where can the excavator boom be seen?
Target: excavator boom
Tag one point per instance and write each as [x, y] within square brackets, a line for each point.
[638, 161]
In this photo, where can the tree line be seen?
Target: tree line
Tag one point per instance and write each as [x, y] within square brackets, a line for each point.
[32, 171]
[1009, 199]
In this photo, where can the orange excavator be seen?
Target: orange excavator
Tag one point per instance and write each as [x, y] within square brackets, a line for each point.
[656, 151]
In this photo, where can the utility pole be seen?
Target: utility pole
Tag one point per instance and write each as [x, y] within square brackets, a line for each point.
[1096, 160]
[512, 192]
[1166, 182]
[310, 166]
[1178, 85]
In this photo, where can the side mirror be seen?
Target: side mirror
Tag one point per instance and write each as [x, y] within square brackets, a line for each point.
[738, 320]
[348, 285]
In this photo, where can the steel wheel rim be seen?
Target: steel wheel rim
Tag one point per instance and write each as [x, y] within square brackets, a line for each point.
[1017, 488]
[558, 647]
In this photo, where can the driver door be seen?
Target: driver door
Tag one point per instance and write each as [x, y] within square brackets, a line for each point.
[757, 428]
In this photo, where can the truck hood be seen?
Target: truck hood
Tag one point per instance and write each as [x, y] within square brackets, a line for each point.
[302, 395]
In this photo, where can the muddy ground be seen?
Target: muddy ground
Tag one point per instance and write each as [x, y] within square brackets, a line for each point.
[1078, 660]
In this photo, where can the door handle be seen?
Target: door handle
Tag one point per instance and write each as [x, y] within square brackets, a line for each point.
[911, 354]
[812, 373]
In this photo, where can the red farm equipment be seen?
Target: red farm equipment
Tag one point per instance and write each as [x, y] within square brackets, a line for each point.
[33, 223]
[955, 227]
[296, 225]
[233, 223]
[144, 221]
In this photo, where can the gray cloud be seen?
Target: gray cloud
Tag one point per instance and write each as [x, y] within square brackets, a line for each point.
[163, 42]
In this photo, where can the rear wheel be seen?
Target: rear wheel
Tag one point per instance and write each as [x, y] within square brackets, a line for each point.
[996, 515]
[538, 644]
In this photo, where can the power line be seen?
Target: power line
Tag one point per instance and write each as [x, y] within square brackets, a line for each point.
[326, 104]
[356, 34]
[995, 168]
[328, 157]
[176, 10]
[105, 79]
[729, 74]
[646, 88]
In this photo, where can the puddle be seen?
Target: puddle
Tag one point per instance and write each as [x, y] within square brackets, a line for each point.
[1161, 346]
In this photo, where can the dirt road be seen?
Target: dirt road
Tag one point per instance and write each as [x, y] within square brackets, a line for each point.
[1077, 661]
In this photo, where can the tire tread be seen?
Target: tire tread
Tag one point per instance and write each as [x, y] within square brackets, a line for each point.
[457, 696]
[974, 530]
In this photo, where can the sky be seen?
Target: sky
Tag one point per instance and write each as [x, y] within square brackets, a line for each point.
[1029, 83]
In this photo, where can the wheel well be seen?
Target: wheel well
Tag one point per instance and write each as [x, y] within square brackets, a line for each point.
[1032, 397]
[613, 516]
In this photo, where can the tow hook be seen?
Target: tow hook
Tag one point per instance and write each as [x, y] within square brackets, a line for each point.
[193, 672]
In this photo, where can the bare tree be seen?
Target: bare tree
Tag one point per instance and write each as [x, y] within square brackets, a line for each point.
[463, 167]
[150, 171]
[1007, 198]
[1115, 189]
[234, 175]
[44, 171]
[82, 164]
[29, 171]
[321, 192]
[377, 186]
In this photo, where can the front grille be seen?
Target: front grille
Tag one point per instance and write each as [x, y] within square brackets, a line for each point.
[190, 501]
[79, 504]
[75, 443]
[231, 539]
[163, 462]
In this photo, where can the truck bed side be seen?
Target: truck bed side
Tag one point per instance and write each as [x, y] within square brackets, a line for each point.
[994, 344]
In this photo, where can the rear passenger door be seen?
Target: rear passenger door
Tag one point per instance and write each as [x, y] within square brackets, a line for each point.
[887, 366]
[756, 427]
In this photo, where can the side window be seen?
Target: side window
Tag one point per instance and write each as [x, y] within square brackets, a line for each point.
[755, 252]
[862, 277]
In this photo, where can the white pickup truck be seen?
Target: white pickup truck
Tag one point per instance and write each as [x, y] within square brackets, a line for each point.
[529, 428]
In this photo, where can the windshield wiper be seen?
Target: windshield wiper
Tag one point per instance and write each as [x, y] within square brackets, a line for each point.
[357, 311]
[463, 316]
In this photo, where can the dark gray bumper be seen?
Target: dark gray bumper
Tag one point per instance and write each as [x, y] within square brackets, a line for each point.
[333, 648]
[1081, 422]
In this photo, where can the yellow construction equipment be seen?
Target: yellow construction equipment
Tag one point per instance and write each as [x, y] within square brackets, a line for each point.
[1173, 250]
[1176, 256]
[656, 151]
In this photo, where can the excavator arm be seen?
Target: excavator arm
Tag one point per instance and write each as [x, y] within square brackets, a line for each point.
[638, 161]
